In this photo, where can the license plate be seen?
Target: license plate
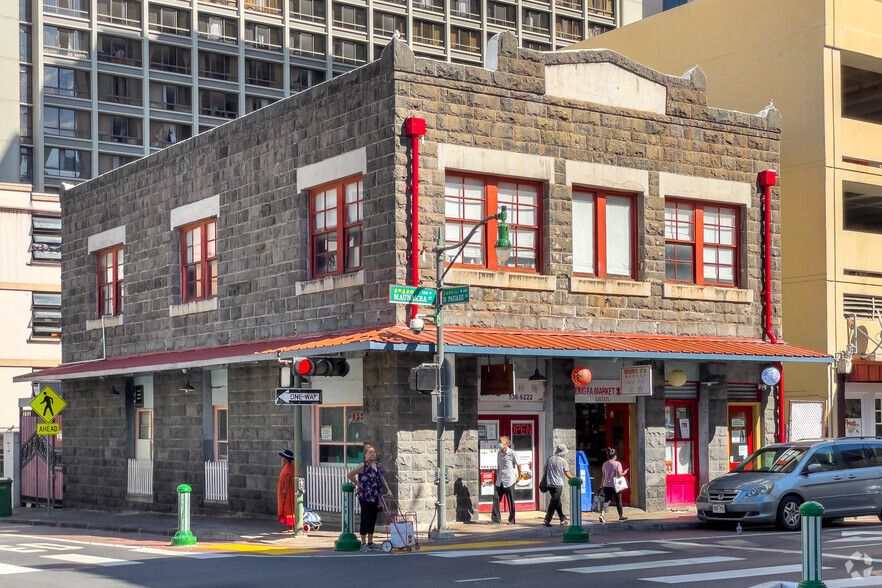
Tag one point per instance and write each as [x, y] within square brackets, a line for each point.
[718, 508]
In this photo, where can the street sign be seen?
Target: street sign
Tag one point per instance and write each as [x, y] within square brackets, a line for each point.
[48, 404]
[298, 396]
[454, 295]
[48, 428]
[411, 295]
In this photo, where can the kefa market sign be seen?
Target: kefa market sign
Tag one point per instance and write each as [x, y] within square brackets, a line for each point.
[603, 392]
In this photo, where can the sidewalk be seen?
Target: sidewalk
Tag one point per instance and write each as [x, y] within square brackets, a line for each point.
[268, 532]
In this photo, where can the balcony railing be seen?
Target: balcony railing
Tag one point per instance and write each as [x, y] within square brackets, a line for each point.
[230, 3]
[307, 17]
[217, 75]
[388, 33]
[67, 92]
[229, 39]
[118, 59]
[467, 13]
[170, 30]
[265, 45]
[120, 20]
[348, 60]
[573, 36]
[308, 53]
[140, 477]
[601, 7]
[430, 6]
[350, 26]
[175, 106]
[218, 112]
[65, 52]
[117, 99]
[535, 29]
[70, 133]
[266, 83]
[428, 41]
[170, 67]
[465, 48]
[502, 22]
[571, 4]
[65, 11]
[127, 139]
[264, 6]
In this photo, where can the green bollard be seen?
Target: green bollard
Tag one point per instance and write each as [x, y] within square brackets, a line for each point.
[347, 540]
[811, 513]
[576, 533]
[184, 536]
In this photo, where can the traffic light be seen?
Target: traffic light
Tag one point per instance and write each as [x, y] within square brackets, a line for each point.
[321, 366]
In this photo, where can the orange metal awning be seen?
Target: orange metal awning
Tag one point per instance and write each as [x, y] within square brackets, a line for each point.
[465, 340]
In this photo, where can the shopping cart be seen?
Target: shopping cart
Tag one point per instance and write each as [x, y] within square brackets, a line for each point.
[401, 526]
[311, 520]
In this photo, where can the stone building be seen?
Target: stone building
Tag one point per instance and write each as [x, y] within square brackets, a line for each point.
[638, 249]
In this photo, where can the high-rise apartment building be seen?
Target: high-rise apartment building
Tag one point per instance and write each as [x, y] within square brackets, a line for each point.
[104, 82]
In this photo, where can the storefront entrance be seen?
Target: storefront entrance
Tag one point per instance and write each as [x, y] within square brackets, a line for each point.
[681, 481]
[740, 434]
[599, 426]
[523, 431]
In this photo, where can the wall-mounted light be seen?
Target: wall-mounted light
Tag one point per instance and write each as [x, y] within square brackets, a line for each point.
[677, 378]
[187, 387]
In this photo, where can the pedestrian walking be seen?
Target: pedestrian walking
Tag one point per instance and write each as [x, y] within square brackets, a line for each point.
[369, 483]
[612, 469]
[508, 472]
[285, 492]
[557, 472]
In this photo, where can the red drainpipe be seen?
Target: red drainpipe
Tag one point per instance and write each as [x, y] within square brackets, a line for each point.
[415, 128]
[766, 180]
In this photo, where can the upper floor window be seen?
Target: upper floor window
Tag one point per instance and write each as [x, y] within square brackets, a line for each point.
[221, 433]
[350, 17]
[65, 42]
[469, 199]
[124, 12]
[46, 315]
[603, 234]
[199, 261]
[263, 36]
[701, 243]
[77, 8]
[62, 81]
[110, 281]
[862, 208]
[45, 238]
[67, 163]
[66, 122]
[312, 10]
[164, 19]
[336, 214]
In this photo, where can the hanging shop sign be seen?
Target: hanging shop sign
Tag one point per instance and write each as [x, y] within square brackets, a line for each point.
[525, 394]
[602, 392]
[637, 380]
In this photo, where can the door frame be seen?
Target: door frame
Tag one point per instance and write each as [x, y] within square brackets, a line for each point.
[694, 477]
[624, 456]
[749, 425]
[504, 428]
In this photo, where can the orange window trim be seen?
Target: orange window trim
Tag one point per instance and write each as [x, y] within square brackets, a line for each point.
[599, 198]
[204, 263]
[343, 252]
[491, 193]
[115, 281]
[698, 242]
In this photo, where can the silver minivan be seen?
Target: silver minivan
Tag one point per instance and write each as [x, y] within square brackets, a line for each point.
[844, 475]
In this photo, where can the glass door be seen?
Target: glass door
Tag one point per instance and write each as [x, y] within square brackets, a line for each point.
[740, 434]
[681, 481]
[617, 437]
[523, 434]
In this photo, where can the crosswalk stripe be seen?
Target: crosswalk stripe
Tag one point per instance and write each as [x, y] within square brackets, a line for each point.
[725, 575]
[477, 552]
[211, 555]
[87, 559]
[670, 563]
[8, 569]
[577, 556]
[155, 551]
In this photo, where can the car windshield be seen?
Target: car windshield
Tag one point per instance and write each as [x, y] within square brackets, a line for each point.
[772, 459]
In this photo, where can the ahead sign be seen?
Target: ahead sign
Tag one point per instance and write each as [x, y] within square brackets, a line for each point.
[298, 396]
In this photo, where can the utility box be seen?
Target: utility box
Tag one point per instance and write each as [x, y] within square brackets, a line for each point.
[5, 497]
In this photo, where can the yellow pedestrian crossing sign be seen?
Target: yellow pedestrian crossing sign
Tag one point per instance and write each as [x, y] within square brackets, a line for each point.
[48, 404]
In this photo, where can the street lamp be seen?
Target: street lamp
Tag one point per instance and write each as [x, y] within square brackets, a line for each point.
[442, 397]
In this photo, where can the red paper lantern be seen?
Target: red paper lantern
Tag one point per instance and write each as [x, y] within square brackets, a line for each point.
[581, 376]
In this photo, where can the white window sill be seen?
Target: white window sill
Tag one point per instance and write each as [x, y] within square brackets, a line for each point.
[44, 340]
[502, 279]
[194, 307]
[610, 287]
[329, 283]
[708, 293]
[109, 321]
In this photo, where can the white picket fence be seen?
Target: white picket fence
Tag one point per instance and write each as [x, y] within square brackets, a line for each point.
[323, 491]
[140, 480]
[216, 480]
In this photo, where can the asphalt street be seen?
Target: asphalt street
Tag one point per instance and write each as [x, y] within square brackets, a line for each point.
[63, 557]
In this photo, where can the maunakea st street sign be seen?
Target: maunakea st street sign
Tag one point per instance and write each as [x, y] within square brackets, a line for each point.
[411, 295]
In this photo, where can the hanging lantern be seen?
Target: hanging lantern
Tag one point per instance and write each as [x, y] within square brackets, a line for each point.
[770, 376]
[677, 378]
[581, 376]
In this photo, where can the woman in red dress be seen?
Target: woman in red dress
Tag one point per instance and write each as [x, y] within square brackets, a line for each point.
[287, 498]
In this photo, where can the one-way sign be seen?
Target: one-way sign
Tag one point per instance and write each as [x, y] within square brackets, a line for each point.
[298, 396]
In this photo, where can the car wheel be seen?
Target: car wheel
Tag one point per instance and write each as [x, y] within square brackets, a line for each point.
[788, 518]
